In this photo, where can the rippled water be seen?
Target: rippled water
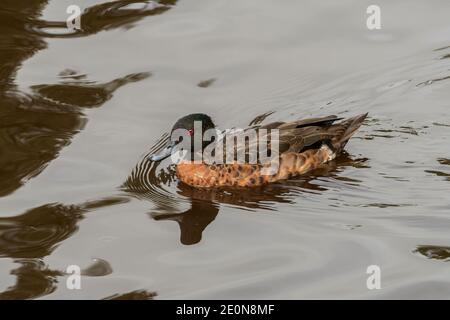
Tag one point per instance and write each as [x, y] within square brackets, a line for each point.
[79, 110]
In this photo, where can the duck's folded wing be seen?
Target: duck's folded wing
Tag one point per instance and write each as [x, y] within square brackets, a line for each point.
[316, 131]
[298, 139]
[294, 136]
[320, 122]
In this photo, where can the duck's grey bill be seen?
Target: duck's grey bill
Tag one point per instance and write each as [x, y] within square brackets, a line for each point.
[164, 153]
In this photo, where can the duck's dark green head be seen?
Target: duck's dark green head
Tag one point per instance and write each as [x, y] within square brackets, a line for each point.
[186, 123]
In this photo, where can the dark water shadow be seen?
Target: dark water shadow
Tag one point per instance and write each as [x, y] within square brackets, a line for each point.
[35, 234]
[104, 16]
[206, 83]
[133, 295]
[439, 173]
[33, 279]
[433, 252]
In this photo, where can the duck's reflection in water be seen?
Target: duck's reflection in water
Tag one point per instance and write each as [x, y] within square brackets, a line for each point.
[193, 221]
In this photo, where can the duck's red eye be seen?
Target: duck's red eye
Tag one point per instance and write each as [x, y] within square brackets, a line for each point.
[191, 132]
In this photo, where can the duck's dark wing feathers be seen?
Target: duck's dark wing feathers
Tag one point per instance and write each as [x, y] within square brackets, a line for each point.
[297, 136]
[322, 121]
[302, 123]
[300, 134]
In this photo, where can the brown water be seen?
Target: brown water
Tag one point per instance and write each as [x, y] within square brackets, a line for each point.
[80, 110]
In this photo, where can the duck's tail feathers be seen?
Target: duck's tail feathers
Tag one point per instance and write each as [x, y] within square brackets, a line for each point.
[345, 130]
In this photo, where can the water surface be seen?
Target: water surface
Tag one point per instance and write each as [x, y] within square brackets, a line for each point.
[79, 110]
